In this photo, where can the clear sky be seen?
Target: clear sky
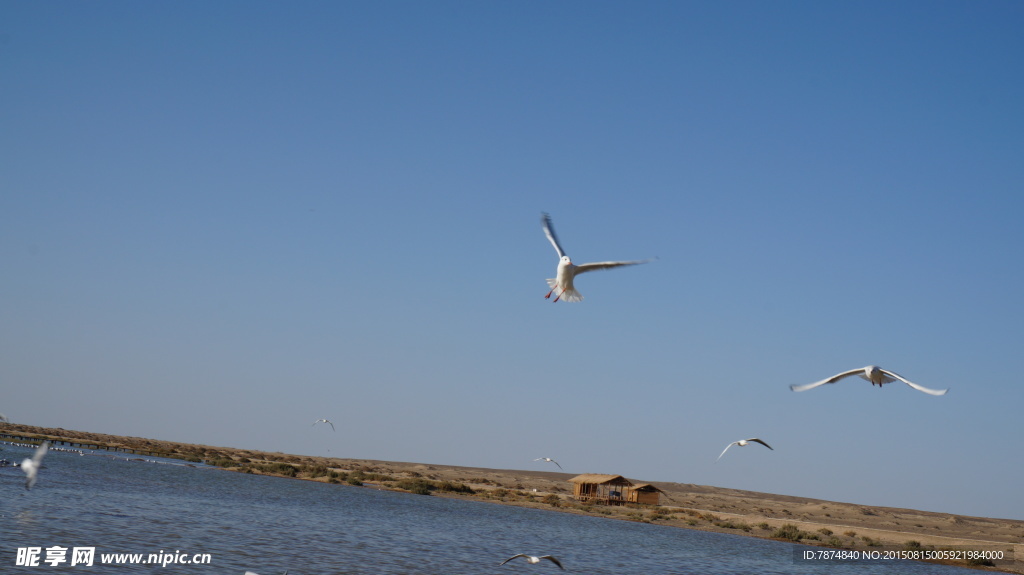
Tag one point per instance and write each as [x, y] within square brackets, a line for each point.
[222, 221]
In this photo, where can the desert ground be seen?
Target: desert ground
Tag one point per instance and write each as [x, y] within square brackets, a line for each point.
[764, 515]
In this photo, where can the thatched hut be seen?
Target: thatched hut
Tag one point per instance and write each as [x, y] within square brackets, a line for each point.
[600, 488]
[645, 493]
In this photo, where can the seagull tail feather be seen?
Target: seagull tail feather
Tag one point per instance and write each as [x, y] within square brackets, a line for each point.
[567, 295]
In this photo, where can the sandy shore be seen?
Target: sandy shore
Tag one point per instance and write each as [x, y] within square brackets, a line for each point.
[812, 521]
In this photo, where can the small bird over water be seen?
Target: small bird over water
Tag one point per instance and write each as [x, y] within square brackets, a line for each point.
[31, 466]
[534, 560]
[324, 421]
[549, 460]
[874, 374]
[567, 271]
[743, 443]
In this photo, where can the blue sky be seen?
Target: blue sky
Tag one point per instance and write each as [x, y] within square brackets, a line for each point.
[220, 222]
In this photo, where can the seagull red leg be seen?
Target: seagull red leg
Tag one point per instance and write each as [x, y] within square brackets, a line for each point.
[559, 295]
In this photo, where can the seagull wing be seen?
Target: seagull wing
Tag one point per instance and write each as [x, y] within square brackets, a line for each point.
[761, 442]
[4, 419]
[513, 557]
[914, 385]
[556, 463]
[553, 560]
[31, 466]
[332, 426]
[549, 231]
[724, 450]
[832, 379]
[37, 457]
[607, 265]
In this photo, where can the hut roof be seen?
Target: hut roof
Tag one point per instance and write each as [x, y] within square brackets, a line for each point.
[601, 479]
[646, 487]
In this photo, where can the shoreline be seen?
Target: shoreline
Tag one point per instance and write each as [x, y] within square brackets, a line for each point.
[822, 523]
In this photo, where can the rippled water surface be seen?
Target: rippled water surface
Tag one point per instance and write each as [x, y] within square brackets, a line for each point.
[268, 525]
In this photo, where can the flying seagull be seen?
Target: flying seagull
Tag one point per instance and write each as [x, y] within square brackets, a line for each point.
[549, 460]
[31, 465]
[743, 443]
[4, 419]
[324, 421]
[874, 374]
[533, 560]
[567, 271]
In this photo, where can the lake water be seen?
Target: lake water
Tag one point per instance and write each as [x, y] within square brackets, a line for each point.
[269, 525]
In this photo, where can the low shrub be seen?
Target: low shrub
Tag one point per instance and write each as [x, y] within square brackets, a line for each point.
[276, 469]
[733, 525]
[223, 462]
[417, 486]
[500, 493]
[452, 487]
[317, 470]
[791, 532]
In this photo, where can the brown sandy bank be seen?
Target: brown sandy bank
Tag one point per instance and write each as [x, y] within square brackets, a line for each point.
[809, 521]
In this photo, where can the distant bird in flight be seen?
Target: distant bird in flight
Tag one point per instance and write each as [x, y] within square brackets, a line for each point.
[567, 271]
[874, 374]
[549, 460]
[743, 443]
[4, 419]
[31, 466]
[534, 560]
[324, 421]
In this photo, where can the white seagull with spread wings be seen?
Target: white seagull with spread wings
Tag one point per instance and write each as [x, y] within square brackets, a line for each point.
[874, 374]
[534, 560]
[743, 443]
[549, 460]
[31, 466]
[567, 271]
[324, 421]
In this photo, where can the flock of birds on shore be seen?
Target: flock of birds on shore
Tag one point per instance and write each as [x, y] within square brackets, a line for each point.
[563, 288]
